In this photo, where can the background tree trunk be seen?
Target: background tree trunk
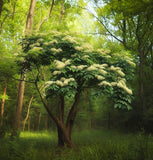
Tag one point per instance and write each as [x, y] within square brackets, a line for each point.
[24, 122]
[39, 119]
[20, 102]
[29, 123]
[3, 102]
[30, 16]
[62, 11]
[23, 74]
[46, 122]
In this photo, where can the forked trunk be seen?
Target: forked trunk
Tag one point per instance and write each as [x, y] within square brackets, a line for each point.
[64, 138]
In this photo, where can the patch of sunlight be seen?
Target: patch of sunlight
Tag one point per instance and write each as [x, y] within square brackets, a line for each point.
[35, 135]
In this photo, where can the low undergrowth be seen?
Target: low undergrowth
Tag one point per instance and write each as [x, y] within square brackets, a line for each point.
[91, 145]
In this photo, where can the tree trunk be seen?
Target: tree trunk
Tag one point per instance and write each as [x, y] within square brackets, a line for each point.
[46, 122]
[64, 131]
[64, 136]
[1, 6]
[20, 102]
[39, 119]
[30, 16]
[13, 8]
[141, 83]
[109, 120]
[90, 124]
[60, 137]
[62, 11]
[3, 102]
[29, 123]
[24, 122]
[23, 74]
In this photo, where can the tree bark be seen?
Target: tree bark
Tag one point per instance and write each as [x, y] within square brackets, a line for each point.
[46, 122]
[3, 102]
[12, 8]
[62, 11]
[30, 16]
[72, 114]
[24, 122]
[20, 101]
[141, 83]
[64, 133]
[23, 74]
[39, 119]
[29, 123]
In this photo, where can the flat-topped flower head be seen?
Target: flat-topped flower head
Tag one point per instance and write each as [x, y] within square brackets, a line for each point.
[91, 68]
[59, 64]
[79, 48]
[121, 84]
[56, 72]
[70, 39]
[104, 83]
[35, 49]
[99, 77]
[56, 50]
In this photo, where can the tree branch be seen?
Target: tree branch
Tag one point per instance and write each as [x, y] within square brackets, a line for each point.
[100, 21]
[51, 8]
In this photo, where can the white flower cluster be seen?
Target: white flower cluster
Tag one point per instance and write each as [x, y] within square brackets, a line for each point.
[63, 59]
[88, 51]
[98, 67]
[131, 63]
[87, 46]
[70, 39]
[62, 82]
[40, 40]
[42, 34]
[55, 33]
[101, 51]
[107, 51]
[104, 83]
[121, 84]
[81, 67]
[51, 42]
[35, 49]
[78, 48]
[56, 72]
[108, 56]
[99, 77]
[118, 70]
[60, 64]
[91, 68]
[35, 44]
[68, 62]
[74, 55]
[56, 50]
[85, 56]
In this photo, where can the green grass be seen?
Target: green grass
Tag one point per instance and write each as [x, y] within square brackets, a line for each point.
[91, 145]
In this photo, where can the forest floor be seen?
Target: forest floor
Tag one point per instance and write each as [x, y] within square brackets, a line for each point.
[91, 145]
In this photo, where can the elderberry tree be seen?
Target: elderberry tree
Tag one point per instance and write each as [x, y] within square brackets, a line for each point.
[75, 65]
